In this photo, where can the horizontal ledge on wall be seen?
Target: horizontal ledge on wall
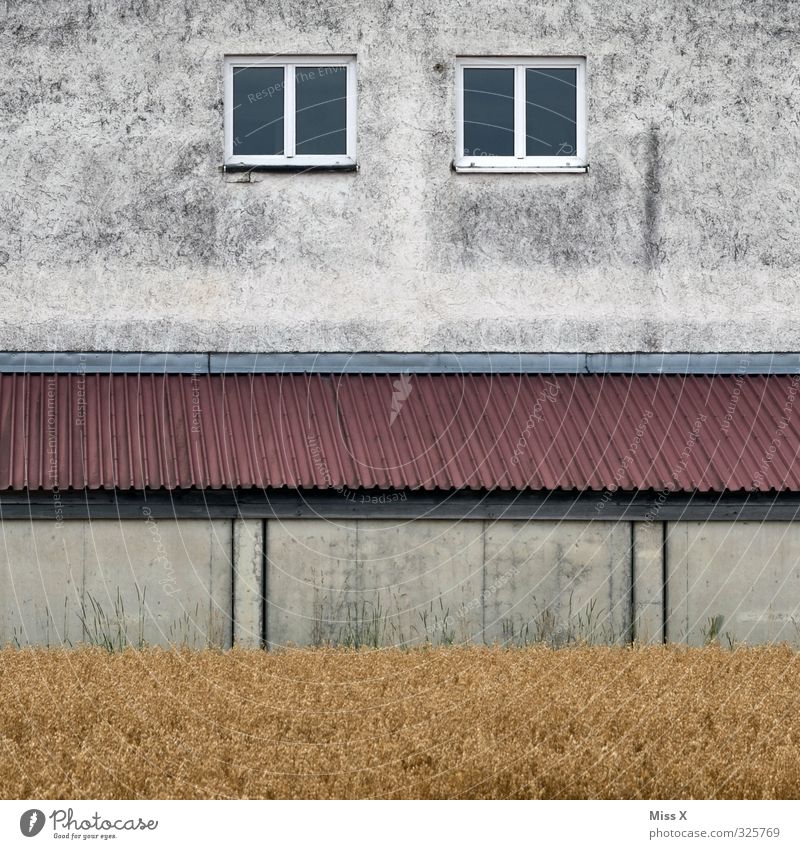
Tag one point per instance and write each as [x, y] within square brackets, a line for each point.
[522, 169]
[645, 506]
[394, 362]
[349, 167]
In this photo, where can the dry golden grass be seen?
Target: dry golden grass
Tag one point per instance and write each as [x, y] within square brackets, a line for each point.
[453, 722]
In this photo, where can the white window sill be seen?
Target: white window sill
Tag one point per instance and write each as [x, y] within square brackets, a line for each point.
[521, 169]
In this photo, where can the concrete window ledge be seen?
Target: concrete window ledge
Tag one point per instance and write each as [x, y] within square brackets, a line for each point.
[348, 168]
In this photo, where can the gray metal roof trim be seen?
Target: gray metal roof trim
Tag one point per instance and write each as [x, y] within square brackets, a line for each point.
[399, 362]
[389, 362]
[101, 362]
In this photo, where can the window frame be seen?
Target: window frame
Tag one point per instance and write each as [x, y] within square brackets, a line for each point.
[289, 158]
[520, 162]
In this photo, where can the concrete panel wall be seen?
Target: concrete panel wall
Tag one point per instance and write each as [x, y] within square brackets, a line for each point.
[557, 581]
[373, 582]
[386, 582]
[248, 567]
[739, 582]
[162, 582]
[311, 580]
[41, 582]
[648, 582]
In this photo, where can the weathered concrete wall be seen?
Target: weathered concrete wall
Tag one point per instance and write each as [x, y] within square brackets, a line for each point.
[119, 231]
[163, 582]
[406, 583]
[373, 582]
[248, 584]
[648, 582]
[557, 581]
[737, 582]
[386, 582]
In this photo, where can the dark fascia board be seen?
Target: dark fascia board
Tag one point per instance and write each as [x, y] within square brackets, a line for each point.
[387, 362]
[641, 506]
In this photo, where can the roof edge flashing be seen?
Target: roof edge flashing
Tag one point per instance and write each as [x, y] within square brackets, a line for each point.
[388, 362]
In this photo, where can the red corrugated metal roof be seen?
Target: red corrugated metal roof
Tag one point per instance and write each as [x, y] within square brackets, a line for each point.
[417, 431]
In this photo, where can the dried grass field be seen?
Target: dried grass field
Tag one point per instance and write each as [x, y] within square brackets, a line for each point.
[582, 722]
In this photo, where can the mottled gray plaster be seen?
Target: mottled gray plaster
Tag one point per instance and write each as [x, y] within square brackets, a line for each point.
[118, 231]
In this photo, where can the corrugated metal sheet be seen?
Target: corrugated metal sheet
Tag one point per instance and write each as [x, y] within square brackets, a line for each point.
[419, 431]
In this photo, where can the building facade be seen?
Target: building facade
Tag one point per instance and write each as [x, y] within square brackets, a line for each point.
[220, 221]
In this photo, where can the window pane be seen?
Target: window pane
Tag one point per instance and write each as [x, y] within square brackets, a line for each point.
[488, 111]
[321, 103]
[257, 111]
[551, 110]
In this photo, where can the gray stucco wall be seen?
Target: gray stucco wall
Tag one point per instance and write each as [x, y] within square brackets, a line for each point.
[120, 232]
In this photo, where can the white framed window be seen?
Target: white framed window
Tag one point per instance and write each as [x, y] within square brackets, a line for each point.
[520, 114]
[290, 110]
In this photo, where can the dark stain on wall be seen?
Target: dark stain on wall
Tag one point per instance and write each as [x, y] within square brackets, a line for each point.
[653, 244]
